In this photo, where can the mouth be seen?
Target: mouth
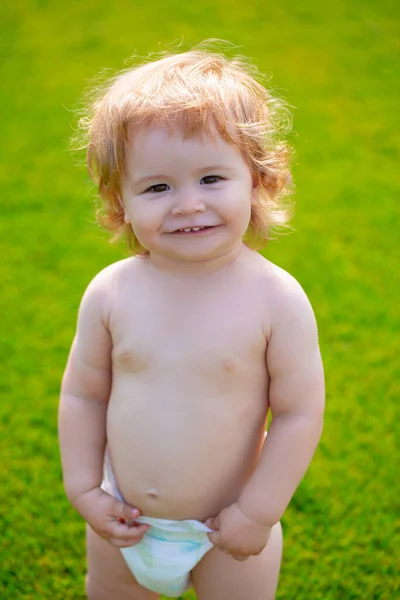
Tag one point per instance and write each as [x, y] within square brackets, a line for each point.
[199, 230]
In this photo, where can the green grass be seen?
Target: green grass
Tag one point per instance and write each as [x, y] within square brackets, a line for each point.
[337, 63]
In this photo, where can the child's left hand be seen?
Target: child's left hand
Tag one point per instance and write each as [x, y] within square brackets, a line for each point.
[237, 534]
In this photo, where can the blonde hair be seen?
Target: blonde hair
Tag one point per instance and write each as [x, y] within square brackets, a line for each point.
[197, 91]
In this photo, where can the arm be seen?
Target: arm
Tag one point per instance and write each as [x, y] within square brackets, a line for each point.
[82, 420]
[84, 395]
[296, 396]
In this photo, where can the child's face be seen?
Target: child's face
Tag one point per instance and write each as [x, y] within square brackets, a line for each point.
[173, 184]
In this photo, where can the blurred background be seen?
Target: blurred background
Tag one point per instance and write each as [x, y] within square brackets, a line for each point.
[337, 64]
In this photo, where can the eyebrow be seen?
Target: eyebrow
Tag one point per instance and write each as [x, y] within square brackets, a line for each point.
[216, 168]
[160, 176]
[143, 180]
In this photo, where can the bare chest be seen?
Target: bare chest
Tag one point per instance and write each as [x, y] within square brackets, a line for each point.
[209, 336]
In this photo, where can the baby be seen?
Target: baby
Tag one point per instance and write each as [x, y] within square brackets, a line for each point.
[182, 349]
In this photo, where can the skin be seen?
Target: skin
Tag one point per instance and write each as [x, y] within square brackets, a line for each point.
[184, 350]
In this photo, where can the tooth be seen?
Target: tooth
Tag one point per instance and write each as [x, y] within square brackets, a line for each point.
[188, 229]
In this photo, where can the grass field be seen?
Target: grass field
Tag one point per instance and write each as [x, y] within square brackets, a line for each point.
[338, 64]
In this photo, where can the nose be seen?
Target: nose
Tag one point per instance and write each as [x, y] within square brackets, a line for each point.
[188, 202]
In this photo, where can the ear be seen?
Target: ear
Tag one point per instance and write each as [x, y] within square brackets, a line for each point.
[122, 206]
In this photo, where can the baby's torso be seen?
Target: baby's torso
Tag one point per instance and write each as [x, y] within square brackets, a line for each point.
[189, 396]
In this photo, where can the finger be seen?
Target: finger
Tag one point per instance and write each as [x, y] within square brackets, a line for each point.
[122, 543]
[131, 531]
[214, 538]
[115, 538]
[212, 522]
[139, 528]
[128, 536]
[240, 558]
[124, 511]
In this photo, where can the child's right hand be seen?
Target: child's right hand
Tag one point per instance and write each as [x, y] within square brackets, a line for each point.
[111, 519]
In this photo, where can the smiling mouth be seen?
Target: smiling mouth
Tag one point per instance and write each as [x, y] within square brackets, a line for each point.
[193, 230]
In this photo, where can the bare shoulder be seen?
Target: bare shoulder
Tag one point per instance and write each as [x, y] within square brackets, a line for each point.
[100, 291]
[107, 277]
[293, 356]
[286, 297]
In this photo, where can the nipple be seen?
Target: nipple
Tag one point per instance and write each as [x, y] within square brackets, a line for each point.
[228, 364]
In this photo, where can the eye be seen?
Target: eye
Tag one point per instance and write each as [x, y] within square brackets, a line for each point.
[210, 179]
[157, 188]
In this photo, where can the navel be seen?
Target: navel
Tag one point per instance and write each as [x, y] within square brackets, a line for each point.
[152, 493]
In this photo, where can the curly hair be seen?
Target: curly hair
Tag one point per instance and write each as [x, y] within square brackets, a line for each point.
[196, 91]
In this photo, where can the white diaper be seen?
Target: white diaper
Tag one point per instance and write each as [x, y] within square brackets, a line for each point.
[168, 551]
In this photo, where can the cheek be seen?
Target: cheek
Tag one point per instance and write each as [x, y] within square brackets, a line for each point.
[145, 219]
[244, 214]
[141, 231]
[241, 206]
[246, 217]
[238, 217]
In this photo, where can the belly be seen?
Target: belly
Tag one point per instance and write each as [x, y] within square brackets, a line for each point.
[182, 455]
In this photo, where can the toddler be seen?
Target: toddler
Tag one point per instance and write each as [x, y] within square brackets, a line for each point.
[182, 349]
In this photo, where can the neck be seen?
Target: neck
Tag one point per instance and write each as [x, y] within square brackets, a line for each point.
[194, 269]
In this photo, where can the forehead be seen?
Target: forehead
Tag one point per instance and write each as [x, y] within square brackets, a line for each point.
[166, 147]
